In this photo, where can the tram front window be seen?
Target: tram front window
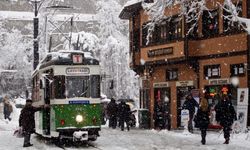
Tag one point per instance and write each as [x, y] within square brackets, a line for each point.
[95, 86]
[77, 87]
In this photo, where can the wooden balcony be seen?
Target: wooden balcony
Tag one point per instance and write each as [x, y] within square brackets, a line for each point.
[218, 45]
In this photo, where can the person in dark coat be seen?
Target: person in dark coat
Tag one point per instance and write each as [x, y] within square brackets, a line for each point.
[190, 105]
[27, 121]
[7, 108]
[202, 119]
[112, 110]
[124, 114]
[225, 116]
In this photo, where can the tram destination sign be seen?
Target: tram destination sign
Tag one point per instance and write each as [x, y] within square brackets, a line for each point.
[77, 71]
[79, 102]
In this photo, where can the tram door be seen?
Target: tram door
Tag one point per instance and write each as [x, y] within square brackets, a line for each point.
[162, 108]
[182, 93]
[46, 113]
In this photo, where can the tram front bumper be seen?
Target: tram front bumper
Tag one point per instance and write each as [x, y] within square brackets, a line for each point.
[80, 136]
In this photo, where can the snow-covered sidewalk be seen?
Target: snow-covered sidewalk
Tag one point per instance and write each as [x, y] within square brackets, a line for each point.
[135, 139]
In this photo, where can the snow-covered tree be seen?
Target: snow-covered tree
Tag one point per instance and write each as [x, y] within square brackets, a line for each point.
[114, 51]
[16, 58]
[191, 10]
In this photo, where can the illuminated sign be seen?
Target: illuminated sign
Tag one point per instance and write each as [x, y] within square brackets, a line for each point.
[77, 59]
[77, 71]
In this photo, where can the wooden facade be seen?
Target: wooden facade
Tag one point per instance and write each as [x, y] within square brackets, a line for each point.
[175, 64]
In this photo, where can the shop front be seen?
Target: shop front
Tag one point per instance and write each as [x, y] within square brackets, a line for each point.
[213, 93]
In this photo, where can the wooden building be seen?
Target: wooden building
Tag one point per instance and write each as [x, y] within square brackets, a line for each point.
[173, 63]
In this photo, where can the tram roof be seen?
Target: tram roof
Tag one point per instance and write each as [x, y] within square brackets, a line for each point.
[64, 57]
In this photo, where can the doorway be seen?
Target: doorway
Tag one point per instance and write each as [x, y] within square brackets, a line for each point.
[162, 108]
[182, 93]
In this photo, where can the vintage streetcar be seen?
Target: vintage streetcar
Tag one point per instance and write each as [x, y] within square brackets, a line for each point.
[69, 81]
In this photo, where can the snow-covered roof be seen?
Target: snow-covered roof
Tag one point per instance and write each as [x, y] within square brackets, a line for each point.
[131, 2]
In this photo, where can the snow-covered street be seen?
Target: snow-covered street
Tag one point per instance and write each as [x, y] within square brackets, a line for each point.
[135, 139]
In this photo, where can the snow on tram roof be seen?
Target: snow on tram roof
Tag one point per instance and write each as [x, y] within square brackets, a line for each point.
[61, 54]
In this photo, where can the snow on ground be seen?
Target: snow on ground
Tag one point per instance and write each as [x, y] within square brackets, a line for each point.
[135, 139]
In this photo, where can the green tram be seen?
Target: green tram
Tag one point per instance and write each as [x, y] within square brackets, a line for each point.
[69, 81]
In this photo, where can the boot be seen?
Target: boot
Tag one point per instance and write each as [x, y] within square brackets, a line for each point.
[203, 141]
[226, 141]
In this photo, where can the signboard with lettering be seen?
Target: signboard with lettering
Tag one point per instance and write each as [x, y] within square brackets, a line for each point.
[185, 83]
[77, 71]
[161, 85]
[77, 59]
[218, 81]
[160, 52]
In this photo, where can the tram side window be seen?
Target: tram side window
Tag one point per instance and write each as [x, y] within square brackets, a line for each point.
[95, 86]
[59, 86]
[78, 87]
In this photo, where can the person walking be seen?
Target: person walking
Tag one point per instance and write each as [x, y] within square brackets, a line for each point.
[124, 113]
[225, 116]
[202, 119]
[112, 109]
[27, 121]
[190, 104]
[7, 108]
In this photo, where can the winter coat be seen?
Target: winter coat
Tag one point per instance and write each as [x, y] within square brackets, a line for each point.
[190, 105]
[225, 113]
[202, 119]
[7, 108]
[124, 111]
[112, 109]
[27, 118]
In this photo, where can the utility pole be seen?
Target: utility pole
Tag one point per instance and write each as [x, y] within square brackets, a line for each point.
[36, 27]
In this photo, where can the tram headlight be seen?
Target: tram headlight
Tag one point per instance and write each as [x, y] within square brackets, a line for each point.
[79, 118]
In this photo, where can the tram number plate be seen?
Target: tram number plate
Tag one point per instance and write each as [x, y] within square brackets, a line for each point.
[79, 102]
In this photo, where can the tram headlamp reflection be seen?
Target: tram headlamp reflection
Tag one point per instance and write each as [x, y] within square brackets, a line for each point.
[79, 118]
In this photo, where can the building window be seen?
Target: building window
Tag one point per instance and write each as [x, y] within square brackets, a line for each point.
[237, 69]
[212, 71]
[175, 29]
[165, 31]
[228, 24]
[210, 23]
[172, 74]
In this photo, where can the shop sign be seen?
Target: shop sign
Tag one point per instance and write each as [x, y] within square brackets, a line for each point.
[160, 52]
[185, 83]
[184, 117]
[161, 85]
[218, 81]
[77, 71]
[242, 96]
[242, 117]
